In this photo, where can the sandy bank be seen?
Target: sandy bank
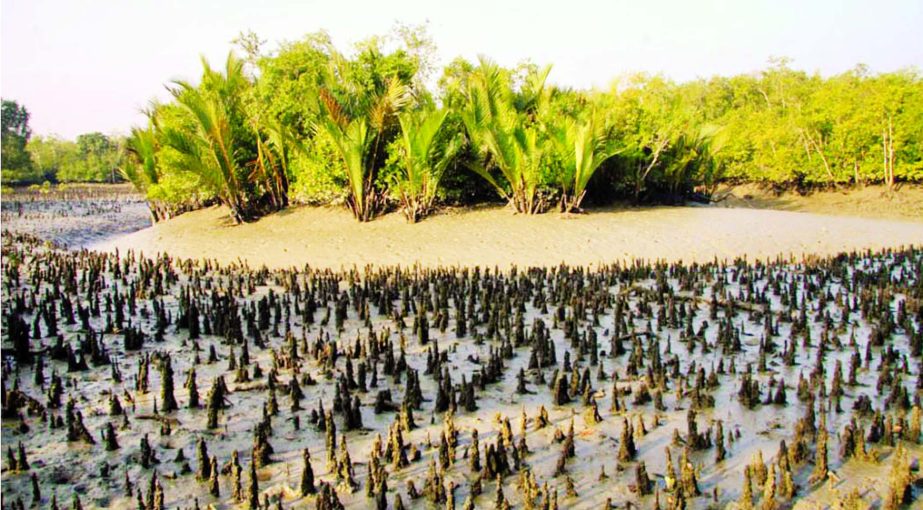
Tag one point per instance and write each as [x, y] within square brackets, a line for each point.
[328, 237]
[873, 201]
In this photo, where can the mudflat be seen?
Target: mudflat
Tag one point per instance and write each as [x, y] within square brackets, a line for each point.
[494, 236]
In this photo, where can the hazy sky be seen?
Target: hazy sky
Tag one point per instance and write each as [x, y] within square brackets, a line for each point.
[85, 65]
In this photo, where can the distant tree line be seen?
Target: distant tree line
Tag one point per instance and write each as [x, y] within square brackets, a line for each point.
[368, 129]
[27, 159]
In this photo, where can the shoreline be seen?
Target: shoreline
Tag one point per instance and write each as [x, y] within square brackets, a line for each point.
[876, 201]
[329, 238]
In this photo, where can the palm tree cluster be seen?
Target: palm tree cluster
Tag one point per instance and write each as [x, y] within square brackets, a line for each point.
[366, 128]
[530, 143]
[311, 124]
[207, 140]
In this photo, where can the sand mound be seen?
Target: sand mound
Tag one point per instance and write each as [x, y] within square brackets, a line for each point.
[903, 203]
[493, 236]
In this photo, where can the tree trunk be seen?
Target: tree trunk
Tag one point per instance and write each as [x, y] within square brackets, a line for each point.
[890, 154]
[818, 148]
[643, 176]
[571, 204]
[638, 182]
[887, 153]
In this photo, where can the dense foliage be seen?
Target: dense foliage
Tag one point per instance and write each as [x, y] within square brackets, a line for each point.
[93, 157]
[27, 159]
[15, 136]
[369, 129]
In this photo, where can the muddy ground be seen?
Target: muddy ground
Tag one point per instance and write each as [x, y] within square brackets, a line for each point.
[74, 216]
[485, 237]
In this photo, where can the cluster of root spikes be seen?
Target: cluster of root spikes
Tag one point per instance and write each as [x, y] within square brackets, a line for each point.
[164, 383]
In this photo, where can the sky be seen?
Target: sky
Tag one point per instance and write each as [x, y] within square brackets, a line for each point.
[92, 65]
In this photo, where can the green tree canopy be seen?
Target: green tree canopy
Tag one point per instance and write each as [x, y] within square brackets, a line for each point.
[17, 163]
